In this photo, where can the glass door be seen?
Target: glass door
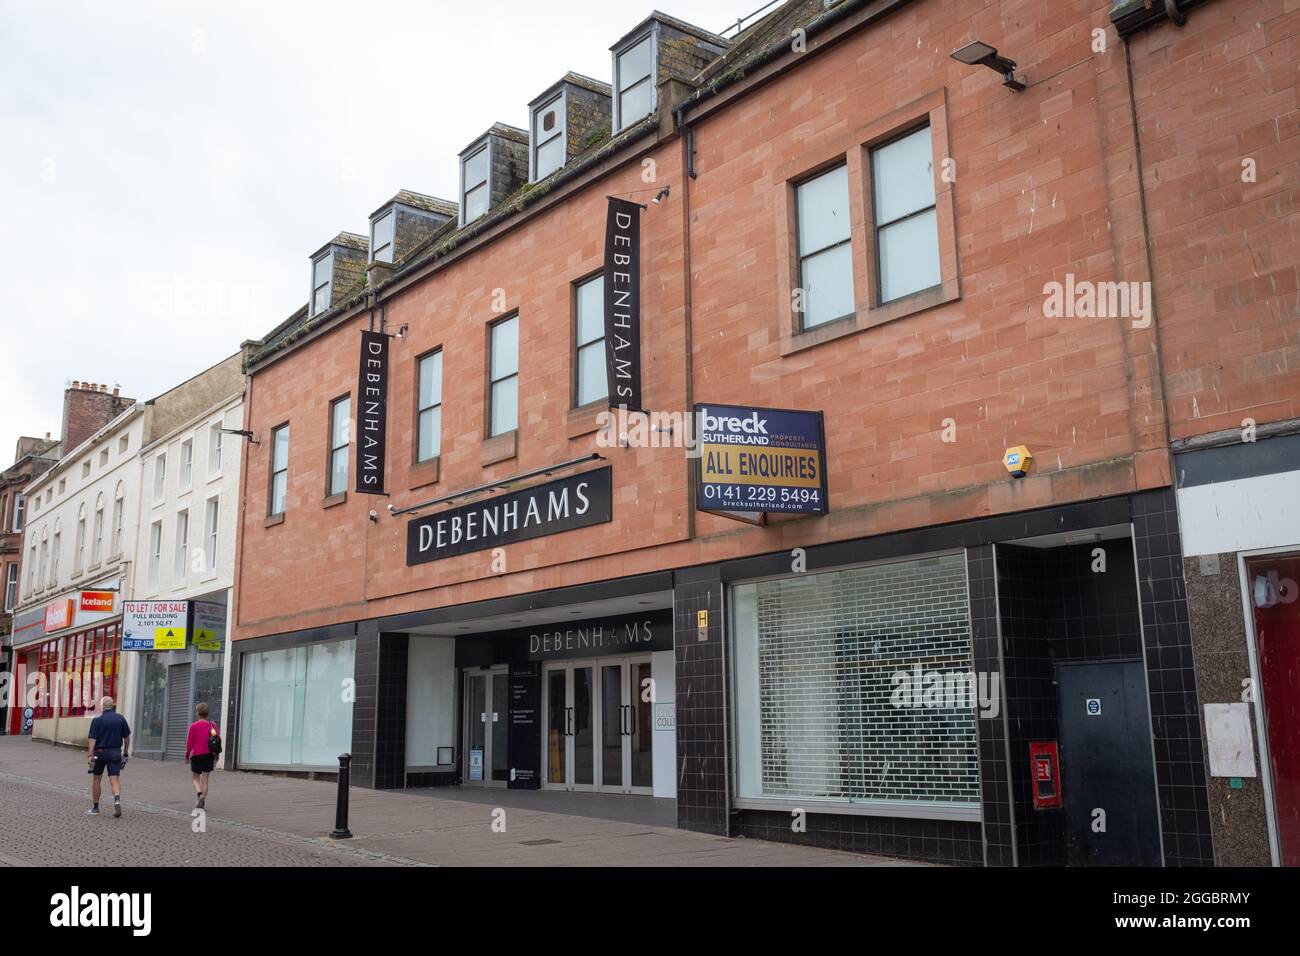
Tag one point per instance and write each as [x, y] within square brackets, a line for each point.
[487, 754]
[570, 739]
[625, 730]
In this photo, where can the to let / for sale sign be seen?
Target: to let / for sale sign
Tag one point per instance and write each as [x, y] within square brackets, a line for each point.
[154, 625]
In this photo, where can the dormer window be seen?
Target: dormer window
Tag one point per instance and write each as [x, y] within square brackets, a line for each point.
[322, 270]
[548, 138]
[382, 232]
[634, 89]
[474, 185]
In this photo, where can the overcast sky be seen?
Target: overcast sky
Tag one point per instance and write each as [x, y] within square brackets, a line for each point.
[166, 168]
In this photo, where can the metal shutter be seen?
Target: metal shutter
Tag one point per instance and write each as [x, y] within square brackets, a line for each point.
[178, 709]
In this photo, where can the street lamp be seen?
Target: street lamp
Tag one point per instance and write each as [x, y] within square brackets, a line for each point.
[979, 53]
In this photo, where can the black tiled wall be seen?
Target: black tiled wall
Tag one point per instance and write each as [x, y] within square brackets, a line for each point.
[995, 787]
[379, 711]
[1171, 681]
[932, 841]
[703, 770]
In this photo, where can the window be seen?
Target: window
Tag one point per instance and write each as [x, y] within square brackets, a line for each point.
[11, 587]
[182, 543]
[632, 83]
[503, 373]
[340, 437]
[825, 253]
[85, 468]
[187, 462]
[79, 555]
[90, 667]
[548, 138]
[20, 502]
[907, 228]
[155, 553]
[213, 527]
[63, 486]
[291, 711]
[279, 469]
[103, 457]
[214, 449]
[117, 521]
[123, 443]
[159, 477]
[428, 413]
[321, 270]
[381, 237]
[55, 548]
[32, 580]
[819, 663]
[97, 541]
[474, 185]
[589, 341]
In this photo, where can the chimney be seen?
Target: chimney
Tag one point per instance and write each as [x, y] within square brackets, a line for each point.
[86, 409]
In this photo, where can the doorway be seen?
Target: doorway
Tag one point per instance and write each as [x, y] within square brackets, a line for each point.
[487, 702]
[1107, 775]
[599, 732]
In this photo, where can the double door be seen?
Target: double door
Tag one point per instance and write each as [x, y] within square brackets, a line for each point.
[487, 713]
[598, 733]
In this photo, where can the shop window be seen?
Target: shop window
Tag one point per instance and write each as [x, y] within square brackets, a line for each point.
[503, 389]
[907, 231]
[825, 252]
[89, 670]
[591, 382]
[821, 664]
[428, 414]
[291, 711]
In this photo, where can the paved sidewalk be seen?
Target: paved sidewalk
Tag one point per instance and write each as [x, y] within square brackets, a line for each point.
[258, 820]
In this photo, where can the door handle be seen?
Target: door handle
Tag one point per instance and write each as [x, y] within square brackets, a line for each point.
[568, 719]
[627, 720]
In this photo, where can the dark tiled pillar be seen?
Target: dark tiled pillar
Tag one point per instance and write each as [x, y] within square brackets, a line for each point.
[703, 767]
[379, 711]
[995, 786]
[1171, 681]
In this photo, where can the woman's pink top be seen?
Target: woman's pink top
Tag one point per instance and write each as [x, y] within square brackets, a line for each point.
[196, 741]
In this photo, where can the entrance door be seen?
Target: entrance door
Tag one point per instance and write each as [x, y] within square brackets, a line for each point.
[625, 726]
[1106, 765]
[570, 741]
[487, 754]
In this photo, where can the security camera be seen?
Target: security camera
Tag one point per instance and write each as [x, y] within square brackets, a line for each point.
[374, 516]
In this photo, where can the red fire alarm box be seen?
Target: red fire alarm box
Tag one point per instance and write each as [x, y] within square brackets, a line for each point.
[1046, 767]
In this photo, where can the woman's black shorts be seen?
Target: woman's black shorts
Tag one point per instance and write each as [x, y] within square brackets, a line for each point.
[202, 763]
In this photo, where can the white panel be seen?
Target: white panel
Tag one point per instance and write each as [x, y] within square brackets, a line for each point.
[665, 741]
[1232, 746]
[430, 699]
[1241, 515]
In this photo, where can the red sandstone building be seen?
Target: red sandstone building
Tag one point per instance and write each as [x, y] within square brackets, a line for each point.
[841, 217]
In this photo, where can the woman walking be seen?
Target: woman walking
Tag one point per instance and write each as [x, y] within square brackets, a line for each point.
[199, 753]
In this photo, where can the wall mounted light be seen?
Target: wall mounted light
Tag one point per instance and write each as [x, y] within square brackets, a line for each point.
[979, 53]
[660, 196]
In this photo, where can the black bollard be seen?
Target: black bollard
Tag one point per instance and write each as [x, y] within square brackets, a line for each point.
[341, 831]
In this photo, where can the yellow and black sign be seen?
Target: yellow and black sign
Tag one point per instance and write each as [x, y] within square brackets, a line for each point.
[169, 638]
[753, 461]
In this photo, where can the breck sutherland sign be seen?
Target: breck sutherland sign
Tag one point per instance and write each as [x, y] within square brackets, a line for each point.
[372, 413]
[563, 505]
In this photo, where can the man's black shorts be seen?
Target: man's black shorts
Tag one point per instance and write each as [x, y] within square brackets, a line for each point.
[110, 759]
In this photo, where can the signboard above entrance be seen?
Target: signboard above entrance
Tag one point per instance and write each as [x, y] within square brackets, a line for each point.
[563, 505]
[154, 625]
[758, 461]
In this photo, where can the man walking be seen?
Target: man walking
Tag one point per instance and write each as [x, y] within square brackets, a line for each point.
[106, 747]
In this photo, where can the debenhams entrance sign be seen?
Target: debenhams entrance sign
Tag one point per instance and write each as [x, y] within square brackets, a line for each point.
[556, 506]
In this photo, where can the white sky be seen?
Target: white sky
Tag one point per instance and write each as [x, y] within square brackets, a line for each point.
[166, 168]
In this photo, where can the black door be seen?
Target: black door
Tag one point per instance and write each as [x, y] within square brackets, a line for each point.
[1106, 765]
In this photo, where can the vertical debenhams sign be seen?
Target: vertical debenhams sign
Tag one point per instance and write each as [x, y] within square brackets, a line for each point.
[372, 413]
[623, 303]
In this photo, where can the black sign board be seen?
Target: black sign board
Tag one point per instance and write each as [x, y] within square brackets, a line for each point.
[562, 505]
[623, 302]
[525, 711]
[372, 413]
[635, 633]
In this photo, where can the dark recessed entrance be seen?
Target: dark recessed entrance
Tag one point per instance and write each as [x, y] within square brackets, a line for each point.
[1074, 675]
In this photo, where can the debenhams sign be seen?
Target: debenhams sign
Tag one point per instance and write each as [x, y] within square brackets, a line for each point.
[556, 506]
